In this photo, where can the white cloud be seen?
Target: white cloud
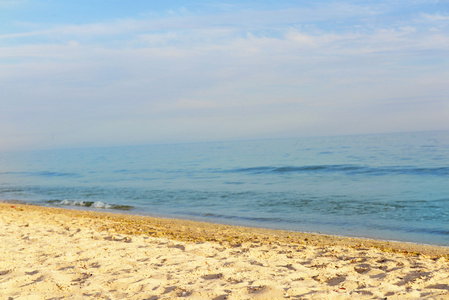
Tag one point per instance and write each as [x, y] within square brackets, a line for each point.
[272, 70]
[435, 17]
[9, 3]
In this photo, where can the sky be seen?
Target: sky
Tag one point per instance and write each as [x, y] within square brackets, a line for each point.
[113, 72]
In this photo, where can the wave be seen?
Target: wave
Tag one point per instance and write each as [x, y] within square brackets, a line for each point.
[231, 217]
[93, 204]
[348, 169]
[43, 174]
[272, 222]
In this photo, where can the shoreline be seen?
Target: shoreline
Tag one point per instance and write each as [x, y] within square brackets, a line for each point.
[57, 252]
[182, 231]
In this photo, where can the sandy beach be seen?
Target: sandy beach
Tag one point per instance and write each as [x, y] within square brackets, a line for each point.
[52, 253]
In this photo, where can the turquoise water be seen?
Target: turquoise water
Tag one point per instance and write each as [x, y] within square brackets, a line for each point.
[390, 186]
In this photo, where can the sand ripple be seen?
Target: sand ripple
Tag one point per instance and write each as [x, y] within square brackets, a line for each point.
[54, 254]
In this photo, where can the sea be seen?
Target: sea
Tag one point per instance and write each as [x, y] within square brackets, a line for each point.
[383, 186]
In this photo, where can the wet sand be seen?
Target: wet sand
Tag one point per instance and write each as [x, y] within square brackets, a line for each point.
[52, 253]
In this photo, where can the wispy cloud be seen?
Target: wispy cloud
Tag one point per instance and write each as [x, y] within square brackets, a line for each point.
[310, 63]
[438, 17]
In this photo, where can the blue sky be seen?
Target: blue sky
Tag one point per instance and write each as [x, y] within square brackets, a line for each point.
[98, 73]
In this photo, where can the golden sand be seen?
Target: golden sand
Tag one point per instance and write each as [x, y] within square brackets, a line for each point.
[51, 253]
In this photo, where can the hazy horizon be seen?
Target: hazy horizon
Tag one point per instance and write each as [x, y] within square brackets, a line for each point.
[219, 141]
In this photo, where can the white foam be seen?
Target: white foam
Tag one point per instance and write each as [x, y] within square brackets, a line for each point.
[97, 204]
[100, 204]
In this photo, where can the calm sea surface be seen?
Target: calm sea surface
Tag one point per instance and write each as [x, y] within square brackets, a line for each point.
[393, 186]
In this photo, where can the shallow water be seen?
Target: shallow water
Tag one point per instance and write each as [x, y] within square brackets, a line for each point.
[390, 186]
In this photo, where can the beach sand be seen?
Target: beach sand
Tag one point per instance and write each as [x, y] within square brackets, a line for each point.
[52, 253]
